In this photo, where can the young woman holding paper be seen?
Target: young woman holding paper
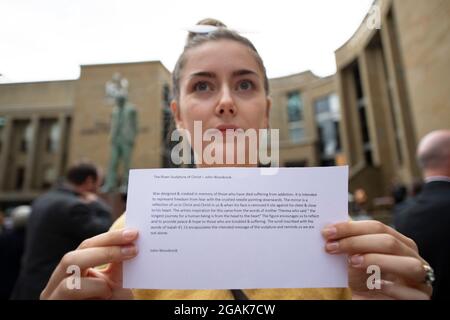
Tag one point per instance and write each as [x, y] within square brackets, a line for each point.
[220, 79]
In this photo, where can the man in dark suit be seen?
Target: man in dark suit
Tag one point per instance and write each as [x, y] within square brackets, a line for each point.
[427, 219]
[60, 220]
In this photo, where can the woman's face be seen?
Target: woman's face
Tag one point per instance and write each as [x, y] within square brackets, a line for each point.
[221, 85]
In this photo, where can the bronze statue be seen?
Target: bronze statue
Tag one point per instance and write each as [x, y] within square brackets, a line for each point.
[124, 128]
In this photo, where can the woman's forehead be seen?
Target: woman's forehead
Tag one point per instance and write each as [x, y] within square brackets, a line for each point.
[220, 56]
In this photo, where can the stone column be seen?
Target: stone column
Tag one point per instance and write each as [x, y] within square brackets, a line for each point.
[62, 122]
[399, 98]
[31, 156]
[6, 149]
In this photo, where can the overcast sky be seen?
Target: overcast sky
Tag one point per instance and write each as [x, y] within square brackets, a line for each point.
[49, 39]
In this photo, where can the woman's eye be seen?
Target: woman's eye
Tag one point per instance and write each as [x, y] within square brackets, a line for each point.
[245, 85]
[202, 86]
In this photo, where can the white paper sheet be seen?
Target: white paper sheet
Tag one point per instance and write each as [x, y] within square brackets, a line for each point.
[235, 228]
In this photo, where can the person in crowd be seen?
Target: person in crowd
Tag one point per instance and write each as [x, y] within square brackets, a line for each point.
[427, 220]
[12, 242]
[399, 195]
[404, 198]
[59, 221]
[416, 188]
[220, 80]
[2, 220]
[360, 211]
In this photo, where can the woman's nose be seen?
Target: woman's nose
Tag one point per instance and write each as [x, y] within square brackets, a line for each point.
[225, 106]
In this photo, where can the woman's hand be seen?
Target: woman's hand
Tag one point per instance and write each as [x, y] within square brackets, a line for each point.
[373, 243]
[110, 248]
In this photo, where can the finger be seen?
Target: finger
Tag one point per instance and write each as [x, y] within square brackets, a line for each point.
[103, 274]
[114, 280]
[401, 292]
[110, 238]
[370, 243]
[356, 228]
[112, 273]
[87, 258]
[408, 268]
[89, 288]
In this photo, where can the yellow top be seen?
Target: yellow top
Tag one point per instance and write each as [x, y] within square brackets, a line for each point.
[252, 294]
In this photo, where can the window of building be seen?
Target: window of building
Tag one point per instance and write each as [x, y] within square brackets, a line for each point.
[65, 143]
[295, 107]
[20, 178]
[53, 138]
[2, 126]
[327, 119]
[166, 96]
[49, 177]
[295, 111]
[362, 114]
[27, 138]
[296, 132]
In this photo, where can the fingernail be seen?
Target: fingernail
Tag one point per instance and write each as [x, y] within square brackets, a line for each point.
[129, 250]
[332, 247]
[129, 234]
[329, 232]
[356, 261]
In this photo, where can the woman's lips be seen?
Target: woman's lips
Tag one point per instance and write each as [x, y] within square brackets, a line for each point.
[224, 127]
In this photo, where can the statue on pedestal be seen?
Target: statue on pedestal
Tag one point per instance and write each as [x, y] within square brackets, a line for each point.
[124, 126]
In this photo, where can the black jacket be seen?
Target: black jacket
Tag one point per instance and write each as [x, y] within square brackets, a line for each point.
[58, 223]
[427, 222]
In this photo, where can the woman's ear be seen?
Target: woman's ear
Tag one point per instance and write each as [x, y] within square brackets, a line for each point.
[176, 114]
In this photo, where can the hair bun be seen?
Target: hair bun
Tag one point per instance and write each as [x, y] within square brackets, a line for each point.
[211, 22]
[202, 27]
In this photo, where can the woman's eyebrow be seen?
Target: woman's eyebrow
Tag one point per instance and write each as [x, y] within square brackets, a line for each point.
[244, 72]
[236, 73]
[203, 74]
